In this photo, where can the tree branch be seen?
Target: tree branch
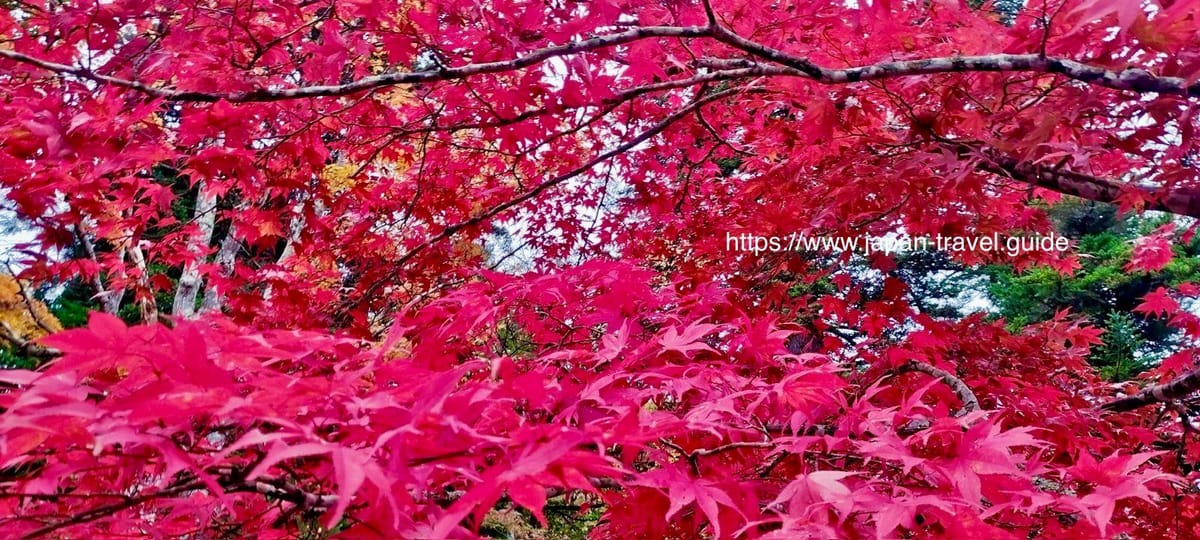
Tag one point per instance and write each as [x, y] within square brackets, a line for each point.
[480, 217]
[29, 303]
[231, 480]
[101, 512]
[147, 305]
[970, 403]
[25, 346]
[1160, 393]
[1130, 79]
[1180, 201]
[375, 81]
[650, 133]
[279, 489]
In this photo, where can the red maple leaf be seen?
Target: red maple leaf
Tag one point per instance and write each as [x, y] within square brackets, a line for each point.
[687, 340]
[1158, 303]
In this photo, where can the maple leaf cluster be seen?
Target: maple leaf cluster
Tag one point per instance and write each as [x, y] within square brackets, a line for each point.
[708, 428]
[371, 270]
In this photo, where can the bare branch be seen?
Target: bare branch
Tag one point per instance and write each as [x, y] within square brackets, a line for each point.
[710, 14]
[732, 446]
[282, 490]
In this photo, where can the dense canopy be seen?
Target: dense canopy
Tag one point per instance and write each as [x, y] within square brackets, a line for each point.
[442, 268]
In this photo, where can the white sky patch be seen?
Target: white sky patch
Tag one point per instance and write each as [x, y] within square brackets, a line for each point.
[13, 232]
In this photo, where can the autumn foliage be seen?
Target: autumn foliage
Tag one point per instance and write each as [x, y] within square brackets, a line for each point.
[407, 270]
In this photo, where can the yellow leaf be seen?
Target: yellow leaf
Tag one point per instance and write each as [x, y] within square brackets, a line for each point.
[28, 317]
[337, 177]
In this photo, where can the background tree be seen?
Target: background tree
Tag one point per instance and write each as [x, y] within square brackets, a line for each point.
[23, 319]
[1104, 288]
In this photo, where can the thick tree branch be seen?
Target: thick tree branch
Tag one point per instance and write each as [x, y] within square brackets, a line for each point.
[375, 81]
[147, 305]
[970, 403]
[1160, 393]
[1130, 79]
[1181, 201]
[278, 489]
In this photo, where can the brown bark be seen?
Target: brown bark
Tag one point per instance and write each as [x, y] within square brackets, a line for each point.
[1160, 393]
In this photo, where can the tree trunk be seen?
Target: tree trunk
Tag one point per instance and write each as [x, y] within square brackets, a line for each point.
[189, 280]
[146, 304]
[214, 300]
[110, 300]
